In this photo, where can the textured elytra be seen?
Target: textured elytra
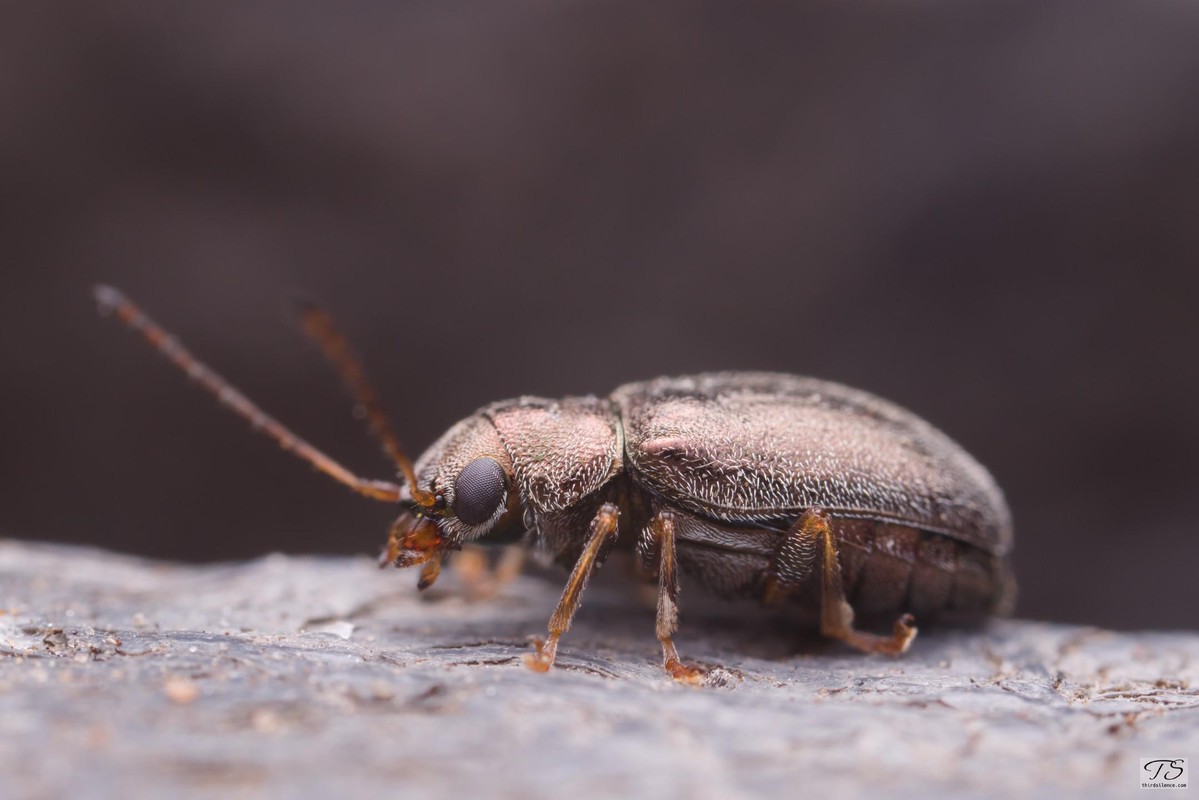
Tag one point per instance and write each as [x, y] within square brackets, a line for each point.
[761, 447]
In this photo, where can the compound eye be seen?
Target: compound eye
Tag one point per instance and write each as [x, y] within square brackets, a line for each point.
[478, 491]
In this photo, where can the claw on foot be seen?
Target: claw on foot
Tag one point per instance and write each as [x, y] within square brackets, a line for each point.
[902, 634]
[692, 676]
[543, 658]
[894, 645]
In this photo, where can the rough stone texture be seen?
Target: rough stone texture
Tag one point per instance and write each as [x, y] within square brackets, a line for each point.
[323, 677]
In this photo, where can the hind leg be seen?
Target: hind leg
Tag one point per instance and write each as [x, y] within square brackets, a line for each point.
[808, 544]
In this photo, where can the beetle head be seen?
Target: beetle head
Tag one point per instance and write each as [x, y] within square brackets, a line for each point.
[527, 457]
[464, 491]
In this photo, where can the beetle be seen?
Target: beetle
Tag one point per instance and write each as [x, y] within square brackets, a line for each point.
[794, 492]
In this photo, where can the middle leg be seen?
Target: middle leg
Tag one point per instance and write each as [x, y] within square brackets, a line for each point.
[661, 538]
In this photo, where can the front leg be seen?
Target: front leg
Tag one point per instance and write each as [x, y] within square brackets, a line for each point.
[603, 526]
[661, 539]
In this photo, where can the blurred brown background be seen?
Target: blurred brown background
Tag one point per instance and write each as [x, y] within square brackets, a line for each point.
[987, 212]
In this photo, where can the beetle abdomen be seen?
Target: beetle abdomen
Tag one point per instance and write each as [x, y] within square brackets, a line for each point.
[887, 569]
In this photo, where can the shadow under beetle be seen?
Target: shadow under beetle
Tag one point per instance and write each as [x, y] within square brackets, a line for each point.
[787, 490]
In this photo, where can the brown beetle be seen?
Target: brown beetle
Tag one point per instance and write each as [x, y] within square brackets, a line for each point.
[786, 490]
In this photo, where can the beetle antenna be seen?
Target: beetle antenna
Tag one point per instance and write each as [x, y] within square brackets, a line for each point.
[319, 326]
[113, 302]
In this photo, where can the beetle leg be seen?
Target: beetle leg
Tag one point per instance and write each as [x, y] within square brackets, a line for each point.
[836, 615]
[603, 526]
[482, 581]
[812, 534]
[662, 537]
[429, 572]
[793, 561]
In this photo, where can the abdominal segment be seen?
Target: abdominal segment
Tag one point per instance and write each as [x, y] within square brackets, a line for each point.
[886, 569]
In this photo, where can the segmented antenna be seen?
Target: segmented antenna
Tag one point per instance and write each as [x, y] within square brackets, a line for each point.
[113, 302]
[319, 325]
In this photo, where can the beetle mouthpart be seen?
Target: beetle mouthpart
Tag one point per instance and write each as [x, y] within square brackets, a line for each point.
[413, 540]
[429, 572]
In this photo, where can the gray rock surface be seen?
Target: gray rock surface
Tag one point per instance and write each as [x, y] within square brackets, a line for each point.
[324, 677]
